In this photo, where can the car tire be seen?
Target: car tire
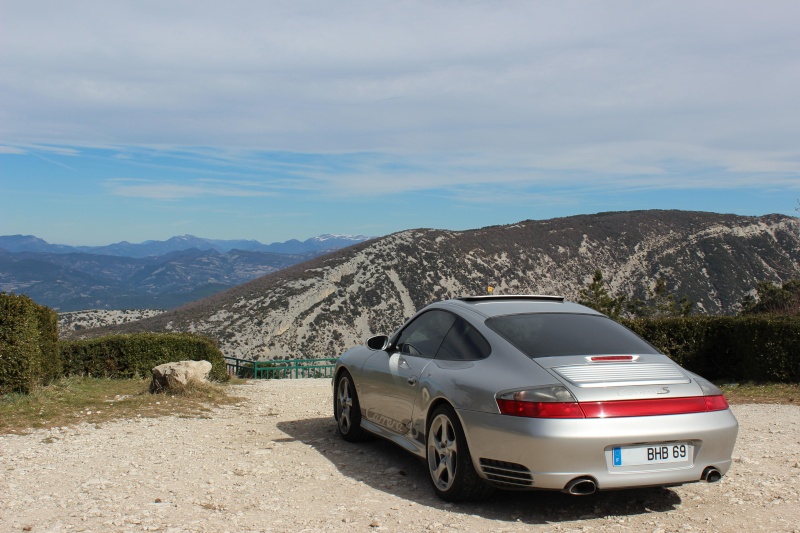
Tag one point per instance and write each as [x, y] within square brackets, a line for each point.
[449, 462]
[347, 410]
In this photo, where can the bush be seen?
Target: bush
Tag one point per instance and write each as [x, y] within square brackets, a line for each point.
[29, 353]
[760, 348]
[52, 364]
[135, 355]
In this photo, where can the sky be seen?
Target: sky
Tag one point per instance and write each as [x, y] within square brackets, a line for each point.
[272, 120]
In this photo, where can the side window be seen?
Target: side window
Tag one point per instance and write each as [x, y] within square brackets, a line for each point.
[425, 334]
[463, 343]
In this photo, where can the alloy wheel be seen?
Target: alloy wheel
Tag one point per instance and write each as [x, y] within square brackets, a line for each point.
[344, 398]
[442, 452]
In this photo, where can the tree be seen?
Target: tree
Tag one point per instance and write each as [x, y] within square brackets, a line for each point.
[771, 298]
[598, 298]
[660, 304]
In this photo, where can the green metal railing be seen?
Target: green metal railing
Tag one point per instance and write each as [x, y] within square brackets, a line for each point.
[291, 368]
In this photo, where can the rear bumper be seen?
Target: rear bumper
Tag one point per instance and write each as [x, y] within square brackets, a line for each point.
[556, 451]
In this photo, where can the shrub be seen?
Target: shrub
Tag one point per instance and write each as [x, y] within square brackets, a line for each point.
[29, 352]
[127, 356]
[761, 348]
[52, 364]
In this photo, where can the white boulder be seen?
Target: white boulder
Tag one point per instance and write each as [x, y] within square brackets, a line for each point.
[178, 374]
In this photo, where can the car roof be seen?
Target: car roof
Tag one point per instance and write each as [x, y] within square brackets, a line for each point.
[497, 305]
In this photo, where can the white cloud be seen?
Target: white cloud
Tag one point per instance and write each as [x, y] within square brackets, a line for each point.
[39, 149]
[11, 150]
[155, 190]
[456, 92]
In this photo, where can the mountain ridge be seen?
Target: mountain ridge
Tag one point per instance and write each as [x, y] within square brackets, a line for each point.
[320, 307]
[75, 280]
[179, 243]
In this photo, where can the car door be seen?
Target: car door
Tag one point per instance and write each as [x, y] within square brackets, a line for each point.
[391, 377]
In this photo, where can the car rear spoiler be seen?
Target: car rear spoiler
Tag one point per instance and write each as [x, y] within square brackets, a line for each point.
[531, 297]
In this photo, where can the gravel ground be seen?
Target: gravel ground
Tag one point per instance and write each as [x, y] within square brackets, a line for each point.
[274, 463]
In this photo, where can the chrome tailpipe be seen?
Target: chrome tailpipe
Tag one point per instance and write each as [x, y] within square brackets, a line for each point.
[581, 486]
[711, 475]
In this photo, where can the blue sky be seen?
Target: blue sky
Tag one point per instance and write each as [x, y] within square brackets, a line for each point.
[277, 120]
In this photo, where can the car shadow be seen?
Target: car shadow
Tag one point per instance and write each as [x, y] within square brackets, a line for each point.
[386, 467]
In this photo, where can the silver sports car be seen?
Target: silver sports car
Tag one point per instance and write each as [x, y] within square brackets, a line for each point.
[532, 392]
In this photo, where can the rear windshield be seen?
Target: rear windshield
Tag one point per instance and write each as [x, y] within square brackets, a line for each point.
[549, 335]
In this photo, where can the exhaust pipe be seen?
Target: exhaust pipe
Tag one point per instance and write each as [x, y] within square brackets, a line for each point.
[581, 486]
[711, 475]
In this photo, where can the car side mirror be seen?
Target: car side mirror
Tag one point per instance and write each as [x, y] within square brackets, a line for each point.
[379, 342]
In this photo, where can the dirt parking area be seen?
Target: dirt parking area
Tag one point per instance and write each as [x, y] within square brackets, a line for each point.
[273, 462]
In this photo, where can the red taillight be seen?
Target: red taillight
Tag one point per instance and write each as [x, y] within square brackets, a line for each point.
[652, 407]
[613, 409]
[540, 409]
[716, 403]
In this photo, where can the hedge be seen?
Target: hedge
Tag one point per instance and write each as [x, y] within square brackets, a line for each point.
[29, 353]
[52, 363]
[127, 356]
[760, 348]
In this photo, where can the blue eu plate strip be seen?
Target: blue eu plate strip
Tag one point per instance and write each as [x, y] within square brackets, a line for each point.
[617, 456]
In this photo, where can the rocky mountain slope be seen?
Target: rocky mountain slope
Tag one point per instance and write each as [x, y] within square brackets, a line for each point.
[318, 308]
[96, 318]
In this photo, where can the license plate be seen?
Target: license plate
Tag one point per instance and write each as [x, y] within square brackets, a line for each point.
[650, 454]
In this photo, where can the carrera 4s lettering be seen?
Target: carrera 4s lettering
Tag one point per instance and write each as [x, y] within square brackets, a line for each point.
[385, 421]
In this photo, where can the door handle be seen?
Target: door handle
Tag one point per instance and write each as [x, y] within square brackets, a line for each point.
[412, 380]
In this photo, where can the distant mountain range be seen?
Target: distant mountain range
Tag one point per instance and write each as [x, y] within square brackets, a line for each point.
[320, 307]
[30, 243]
[150, 275]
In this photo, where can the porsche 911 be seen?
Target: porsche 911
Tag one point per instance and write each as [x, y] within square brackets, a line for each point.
[532, 392]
